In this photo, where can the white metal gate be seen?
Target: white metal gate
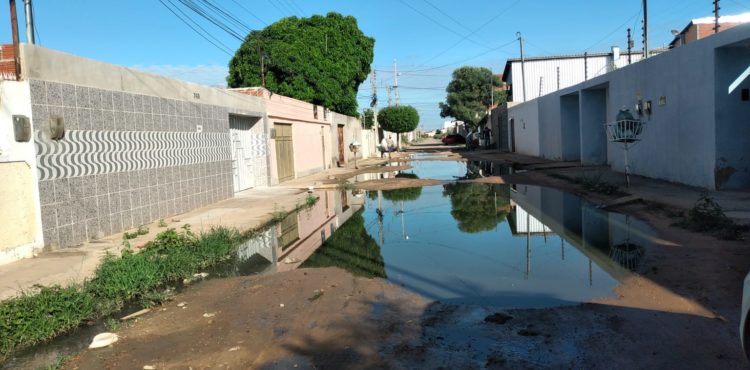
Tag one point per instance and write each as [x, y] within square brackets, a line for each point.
[242, 164]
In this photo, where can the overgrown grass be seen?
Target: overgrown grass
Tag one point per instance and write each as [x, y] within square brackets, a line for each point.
[46, 312]
[707, 216]
[142, 230]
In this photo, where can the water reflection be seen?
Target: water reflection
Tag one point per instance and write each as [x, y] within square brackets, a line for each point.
[450, 244]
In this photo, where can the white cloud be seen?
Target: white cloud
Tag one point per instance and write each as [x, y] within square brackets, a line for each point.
[208, 74]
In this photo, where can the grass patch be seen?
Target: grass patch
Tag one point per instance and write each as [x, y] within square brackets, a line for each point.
[310, 200]
[142, 230]
[707, 216]
[46, 312]
[162, 223]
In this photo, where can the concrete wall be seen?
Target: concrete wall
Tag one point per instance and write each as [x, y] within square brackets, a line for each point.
[732, 169]
[137, 147]
[570, 128]
[526, 122]
[550, 145]
[20, 220]
[352, 133]
[690, 135]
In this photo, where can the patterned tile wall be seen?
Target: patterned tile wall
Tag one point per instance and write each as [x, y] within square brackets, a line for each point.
[126, 159]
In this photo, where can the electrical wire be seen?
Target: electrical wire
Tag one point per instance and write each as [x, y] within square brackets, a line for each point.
[249, 12]
[218, 44]
[463, 60]
[209, 17]
[440, 23]
[232, 19]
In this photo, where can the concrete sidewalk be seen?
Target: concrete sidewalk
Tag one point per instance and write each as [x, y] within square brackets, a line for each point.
[247, 210]
[736, 204]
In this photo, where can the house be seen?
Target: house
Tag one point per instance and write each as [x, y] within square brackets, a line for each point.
[704, 27]
[305, 138]
[693, 127]
[93, 149]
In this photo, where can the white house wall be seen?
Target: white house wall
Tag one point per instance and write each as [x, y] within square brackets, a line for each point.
[679, 141]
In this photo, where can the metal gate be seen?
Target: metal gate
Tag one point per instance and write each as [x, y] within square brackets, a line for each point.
[284, 151]
[241, 141]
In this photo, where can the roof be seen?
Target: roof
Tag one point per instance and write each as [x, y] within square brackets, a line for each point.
[509, 61]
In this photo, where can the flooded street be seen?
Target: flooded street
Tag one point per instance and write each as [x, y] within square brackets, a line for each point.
[458, 275]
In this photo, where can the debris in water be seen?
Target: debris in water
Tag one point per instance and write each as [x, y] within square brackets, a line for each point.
[234, 349]
[103, 340]
[498, 318]
[136, 314]
[207, 315]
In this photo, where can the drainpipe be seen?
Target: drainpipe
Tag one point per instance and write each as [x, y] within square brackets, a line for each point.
[29, 22]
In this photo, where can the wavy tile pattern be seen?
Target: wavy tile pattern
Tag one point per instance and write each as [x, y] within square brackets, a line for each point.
[126, 159]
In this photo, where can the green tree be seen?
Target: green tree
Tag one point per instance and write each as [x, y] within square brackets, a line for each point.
[398, 119]
[368, 118]
[478, 207]
[468, 95]
[320, 60]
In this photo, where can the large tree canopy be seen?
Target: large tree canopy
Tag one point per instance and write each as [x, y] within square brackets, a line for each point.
[400, 119]
[478, 207]
[469, 96]
[321, 60]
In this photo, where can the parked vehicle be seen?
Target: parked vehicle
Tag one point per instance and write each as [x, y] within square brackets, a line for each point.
[744, 324]
[454, 139]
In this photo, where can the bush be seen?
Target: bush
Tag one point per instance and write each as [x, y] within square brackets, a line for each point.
[708, 216]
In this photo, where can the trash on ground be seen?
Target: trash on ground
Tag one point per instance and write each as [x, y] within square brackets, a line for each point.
[103, 340]
[135, 314]
[207, 314]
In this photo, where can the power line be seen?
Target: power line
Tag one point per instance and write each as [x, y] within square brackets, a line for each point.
[249, 12]
[463, 60]
[226, 14]
[206, 36]
[634, 16]
[471, 33]
[439, 23]
[211, 18]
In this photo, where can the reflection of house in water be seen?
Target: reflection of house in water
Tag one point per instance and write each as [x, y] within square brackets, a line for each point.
[615, 242]
[285, 245]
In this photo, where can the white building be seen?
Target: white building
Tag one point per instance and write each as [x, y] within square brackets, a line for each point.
[693, 100]
[547, 74]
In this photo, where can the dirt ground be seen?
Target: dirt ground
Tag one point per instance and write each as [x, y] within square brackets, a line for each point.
[680, 312]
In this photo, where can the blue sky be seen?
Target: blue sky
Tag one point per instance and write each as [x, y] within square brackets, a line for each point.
[417, 34]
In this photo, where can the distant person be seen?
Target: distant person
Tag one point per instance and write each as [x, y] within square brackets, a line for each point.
[391, 147]
[487, 137]
[383, 147]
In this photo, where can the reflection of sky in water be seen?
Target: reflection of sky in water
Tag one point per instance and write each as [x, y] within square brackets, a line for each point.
[425, 251]
[437, 170]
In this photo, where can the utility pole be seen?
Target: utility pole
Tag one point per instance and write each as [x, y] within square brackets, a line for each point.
[645, 29]
[630, 46]
[388, 90]
[716, 16]
[558, 78]
[29, 22]
[523, 65]
[14, 31]
[395, 80]
[374, 105]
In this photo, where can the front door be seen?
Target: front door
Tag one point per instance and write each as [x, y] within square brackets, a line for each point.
[341, 145]
[284, 151]
[242, 168]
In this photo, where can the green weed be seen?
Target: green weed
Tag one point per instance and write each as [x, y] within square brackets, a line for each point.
[36, 317]
[310, 200]
[278, 214]
[112, 325]
[142, 230]
[162, 223]
[707, 216]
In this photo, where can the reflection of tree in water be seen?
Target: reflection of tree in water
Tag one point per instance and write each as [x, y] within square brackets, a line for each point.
[352, 249]
[478, 207]
[405, 194]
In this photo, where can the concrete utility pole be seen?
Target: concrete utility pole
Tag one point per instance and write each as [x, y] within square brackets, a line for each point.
[395, 80]
[630, 46]
[373, 85]
[388, 90]
[645, 29]
[523, 65]
[586, 65]
[29, 22]
[716, 16]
